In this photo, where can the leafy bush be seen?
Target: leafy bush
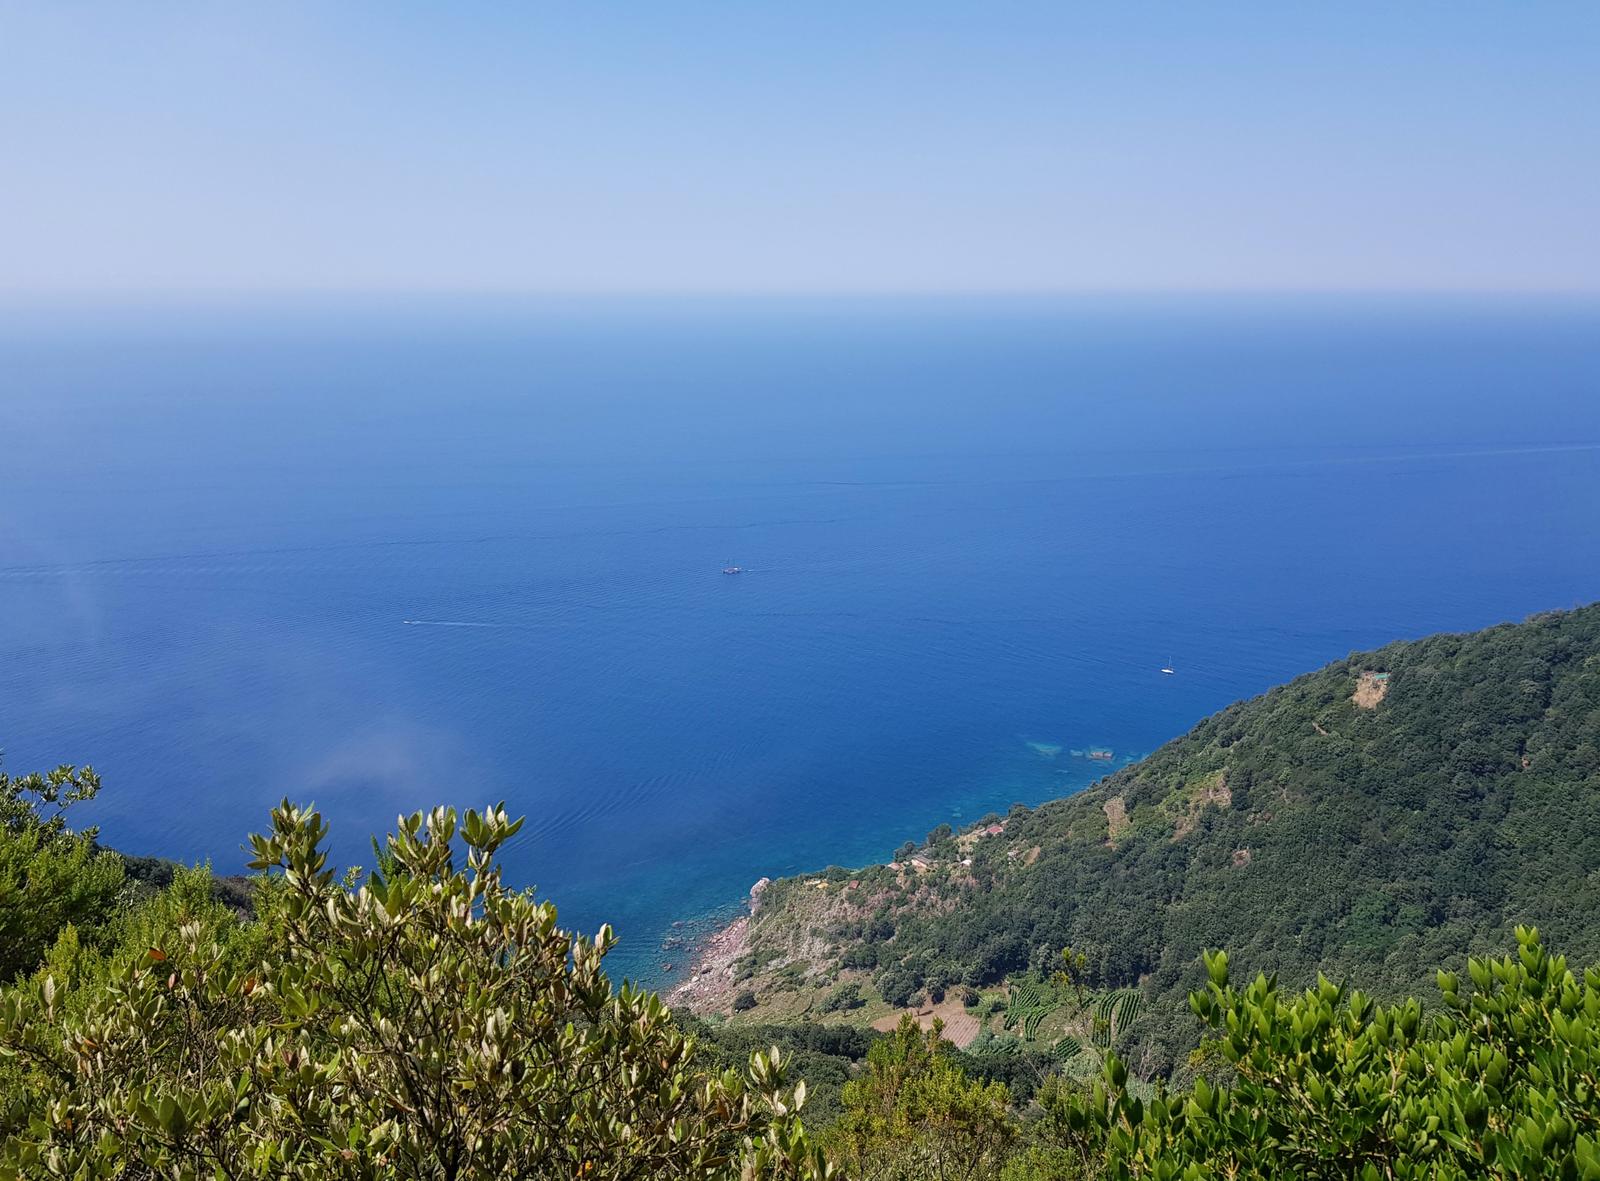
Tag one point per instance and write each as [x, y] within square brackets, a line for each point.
[49, 875]
[843, 999]
[826, 1056]
[915, 1114]
[429, 1025]
[859, 955]
[898, 984]
[1503, 1083]
[989, 1042]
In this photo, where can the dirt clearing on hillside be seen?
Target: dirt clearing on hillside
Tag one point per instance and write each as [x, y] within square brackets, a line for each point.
[960, 1026]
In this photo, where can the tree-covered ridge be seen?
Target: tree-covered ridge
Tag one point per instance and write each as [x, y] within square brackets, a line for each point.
[1301, 829]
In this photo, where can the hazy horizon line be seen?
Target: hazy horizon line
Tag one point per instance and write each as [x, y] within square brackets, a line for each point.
[62, 295]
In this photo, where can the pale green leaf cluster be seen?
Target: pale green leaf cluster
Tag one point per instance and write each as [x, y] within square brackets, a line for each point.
[430, 1024]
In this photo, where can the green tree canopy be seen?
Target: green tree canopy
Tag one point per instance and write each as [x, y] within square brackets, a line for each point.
[914, 1114]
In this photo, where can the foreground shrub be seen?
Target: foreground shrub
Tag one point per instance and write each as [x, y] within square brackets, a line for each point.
[1504, 1083]
[49, 875]
[915, 1114]
[430, 1025]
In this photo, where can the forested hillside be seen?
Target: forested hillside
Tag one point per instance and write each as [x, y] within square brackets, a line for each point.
[1375, 819]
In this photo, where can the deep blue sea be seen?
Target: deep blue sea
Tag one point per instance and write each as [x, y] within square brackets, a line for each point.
[972, 532]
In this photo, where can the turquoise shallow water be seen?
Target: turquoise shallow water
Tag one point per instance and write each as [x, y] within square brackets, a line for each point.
[382, 556]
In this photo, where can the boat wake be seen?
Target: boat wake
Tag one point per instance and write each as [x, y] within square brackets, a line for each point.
[450, 623]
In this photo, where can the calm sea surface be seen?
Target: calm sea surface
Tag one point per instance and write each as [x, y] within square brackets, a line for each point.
[380, 556]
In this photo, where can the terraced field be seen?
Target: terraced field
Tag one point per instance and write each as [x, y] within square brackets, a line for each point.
[1112, 1013]
[1031, 1002]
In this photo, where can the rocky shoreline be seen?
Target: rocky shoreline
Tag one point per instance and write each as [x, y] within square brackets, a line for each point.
[709, 984]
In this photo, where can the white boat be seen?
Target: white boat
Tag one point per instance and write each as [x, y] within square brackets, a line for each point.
[1168, 670]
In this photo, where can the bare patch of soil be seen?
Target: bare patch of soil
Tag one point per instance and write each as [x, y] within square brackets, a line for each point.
[1116, 819]
[1371, 688]
[960, 1026]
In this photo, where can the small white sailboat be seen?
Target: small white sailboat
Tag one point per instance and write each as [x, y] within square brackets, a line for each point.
[1168, 670]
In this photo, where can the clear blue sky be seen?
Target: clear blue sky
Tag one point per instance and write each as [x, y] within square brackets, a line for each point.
[809, 146]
